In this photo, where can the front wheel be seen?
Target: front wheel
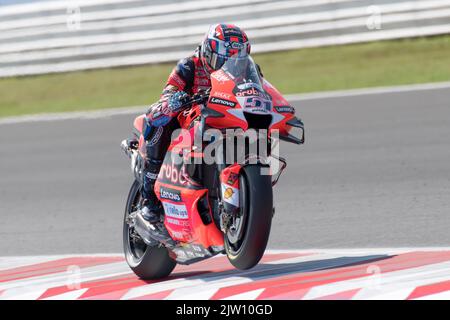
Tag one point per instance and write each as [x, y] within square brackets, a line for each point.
[247, 237]
[147, 262]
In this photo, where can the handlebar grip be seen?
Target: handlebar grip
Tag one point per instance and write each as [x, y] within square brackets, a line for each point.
[196, 98]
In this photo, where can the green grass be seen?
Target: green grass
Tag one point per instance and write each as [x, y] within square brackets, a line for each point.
[307, 70]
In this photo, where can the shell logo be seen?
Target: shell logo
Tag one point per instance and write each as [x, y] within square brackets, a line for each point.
[228, 193]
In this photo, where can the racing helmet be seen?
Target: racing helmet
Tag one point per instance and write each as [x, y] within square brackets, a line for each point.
[222, 42]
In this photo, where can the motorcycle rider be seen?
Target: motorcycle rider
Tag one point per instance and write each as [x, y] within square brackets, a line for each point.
[190, 76]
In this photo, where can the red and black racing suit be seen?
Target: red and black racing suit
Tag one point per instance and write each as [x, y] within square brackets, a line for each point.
[188, 76]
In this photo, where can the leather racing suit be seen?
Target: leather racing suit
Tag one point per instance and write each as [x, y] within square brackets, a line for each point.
[188, 77]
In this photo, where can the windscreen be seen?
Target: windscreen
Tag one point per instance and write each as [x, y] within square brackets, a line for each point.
[243, 70]
[249, 88]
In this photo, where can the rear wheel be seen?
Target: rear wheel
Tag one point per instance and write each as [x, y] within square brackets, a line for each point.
[147, 262]
[247, 237]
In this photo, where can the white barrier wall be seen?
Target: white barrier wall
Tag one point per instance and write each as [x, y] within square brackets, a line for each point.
[69, 35]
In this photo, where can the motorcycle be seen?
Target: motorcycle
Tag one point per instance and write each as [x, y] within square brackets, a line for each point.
[217, 197]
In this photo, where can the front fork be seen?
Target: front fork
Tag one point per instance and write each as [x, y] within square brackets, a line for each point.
[229, 181]
[230, 191]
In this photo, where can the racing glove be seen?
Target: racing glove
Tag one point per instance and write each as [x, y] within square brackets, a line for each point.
[162, 112]
[178, 101]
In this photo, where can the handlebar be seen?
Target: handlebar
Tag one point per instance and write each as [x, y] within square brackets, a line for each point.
[197, 98]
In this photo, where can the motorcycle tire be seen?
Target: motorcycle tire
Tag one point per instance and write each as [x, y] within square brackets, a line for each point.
[149, 262]
[256, 201]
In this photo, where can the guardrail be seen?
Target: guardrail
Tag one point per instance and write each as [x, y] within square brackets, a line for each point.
[61, 36]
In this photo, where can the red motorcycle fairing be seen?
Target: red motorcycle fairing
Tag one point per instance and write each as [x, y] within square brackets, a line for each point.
[226, 99]
[180, 196]
[280, 106]
[223, 101]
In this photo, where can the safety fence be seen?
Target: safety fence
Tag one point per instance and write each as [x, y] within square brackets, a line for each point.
[61, 36]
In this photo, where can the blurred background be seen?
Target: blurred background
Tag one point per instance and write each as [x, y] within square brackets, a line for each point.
[374, 171]
[141, 36]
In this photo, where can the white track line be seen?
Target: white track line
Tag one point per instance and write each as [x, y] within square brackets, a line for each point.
[249, 295]
[71, 295]
[17, 262]
[105, 113]
[208, 283]
[96, 114]
[368, 91]
[38, 283]
[359, 251]
[386, 285]
[183, 288]
[373, 285]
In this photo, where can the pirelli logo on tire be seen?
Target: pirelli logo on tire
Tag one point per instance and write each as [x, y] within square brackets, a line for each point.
[223, 102]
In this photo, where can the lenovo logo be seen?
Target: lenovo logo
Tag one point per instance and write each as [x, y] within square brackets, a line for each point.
[170, 194]
[223, 102]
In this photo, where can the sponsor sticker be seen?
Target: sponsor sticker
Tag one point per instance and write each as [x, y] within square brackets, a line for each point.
[222, 95]
[222, 102]
[177, 79]
[284, 109]
[178, 222]
[234, 45]
[174, 174]
[179, 235]
[170, 194]
[252, 92]
[156, 137]
[177, 211]
[202, 82]
[247, 85]
[230, 195]
[232, 178]
[255, 104]
[220, 76]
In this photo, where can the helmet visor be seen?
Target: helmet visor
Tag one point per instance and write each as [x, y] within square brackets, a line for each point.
[219, 52]
[217, 60]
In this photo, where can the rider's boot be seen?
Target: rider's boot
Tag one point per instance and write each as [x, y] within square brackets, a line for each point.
[151, 208]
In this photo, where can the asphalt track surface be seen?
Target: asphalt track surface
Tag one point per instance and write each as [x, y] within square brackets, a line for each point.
[374, 172]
